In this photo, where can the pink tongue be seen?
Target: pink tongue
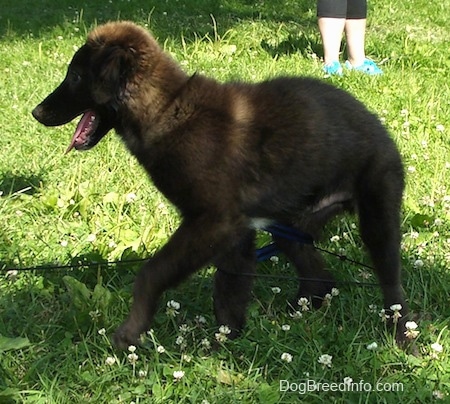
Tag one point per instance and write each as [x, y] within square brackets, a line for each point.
[82, 128]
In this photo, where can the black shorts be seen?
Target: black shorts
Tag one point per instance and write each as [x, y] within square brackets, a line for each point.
[350, 9]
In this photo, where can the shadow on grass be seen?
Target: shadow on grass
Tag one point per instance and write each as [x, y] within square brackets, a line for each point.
[304, 44]
[190, 18]
[15, 184]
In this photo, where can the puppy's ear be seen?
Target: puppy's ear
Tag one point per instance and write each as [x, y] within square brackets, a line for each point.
[111, 68]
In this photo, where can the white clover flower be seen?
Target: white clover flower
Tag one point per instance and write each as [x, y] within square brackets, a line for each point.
[383, 315]
[64, 243]
[440, 128]
[91, 238]
[285, 327]
[411, 325]
[348, 380]
[172, 308]
[372, 346]
[274, 259]
[303, 302]
[335, 239]
[418, 264]
[12, 274]
[205, 343]
[160, 349]
[200, 319]
[133, 358]
[296, 315]
[286, 357]
[132, 348]
[184, 328]
[221, 336]
[186, 358]
[178, 375]
[110, 360]
[396, 315]
[438, 395]
[179, 340]
[325, 360]
[130, 197]
[102, 331]
[437, 347]
[142, 373]
[372, 308]
[95, 314]
[173, 305]
[411, 330]
[334, 292]
[396, 307]
[276, 290]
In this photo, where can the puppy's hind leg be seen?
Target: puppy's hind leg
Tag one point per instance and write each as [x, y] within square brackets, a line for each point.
[233, 282]
[315, 280]
[379, 215]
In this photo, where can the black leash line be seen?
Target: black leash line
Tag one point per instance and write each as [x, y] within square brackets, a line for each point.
[344, 258]
[75, 266]
[44, 268]
[262, 254]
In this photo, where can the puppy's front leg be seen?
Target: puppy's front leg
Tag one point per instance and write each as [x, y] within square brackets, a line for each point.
[193, 245]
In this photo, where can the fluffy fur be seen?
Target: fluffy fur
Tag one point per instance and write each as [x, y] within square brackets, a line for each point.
[291, 150]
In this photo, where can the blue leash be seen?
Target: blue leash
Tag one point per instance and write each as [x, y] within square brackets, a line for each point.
[279, 230]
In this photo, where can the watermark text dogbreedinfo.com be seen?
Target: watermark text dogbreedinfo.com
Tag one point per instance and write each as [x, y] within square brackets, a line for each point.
[348, 385]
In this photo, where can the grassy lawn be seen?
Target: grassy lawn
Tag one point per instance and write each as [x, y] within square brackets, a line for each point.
[98, 207]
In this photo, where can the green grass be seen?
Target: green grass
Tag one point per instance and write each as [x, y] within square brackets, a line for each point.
[99, 206]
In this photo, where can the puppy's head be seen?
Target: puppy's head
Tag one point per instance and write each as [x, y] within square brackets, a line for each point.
[99, 77]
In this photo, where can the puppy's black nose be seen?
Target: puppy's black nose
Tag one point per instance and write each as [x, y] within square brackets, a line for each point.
[37, 113]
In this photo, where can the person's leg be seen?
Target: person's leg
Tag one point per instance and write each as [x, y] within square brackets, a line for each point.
[355, 30]
[355, 34]
[331, 20]
[331, 30]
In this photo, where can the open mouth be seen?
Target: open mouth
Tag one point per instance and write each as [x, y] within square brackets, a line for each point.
[87, 126]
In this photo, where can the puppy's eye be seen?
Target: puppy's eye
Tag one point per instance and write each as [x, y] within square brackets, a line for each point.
[74, 77]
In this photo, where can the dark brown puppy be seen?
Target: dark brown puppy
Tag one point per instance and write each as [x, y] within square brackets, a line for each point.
[292, 150]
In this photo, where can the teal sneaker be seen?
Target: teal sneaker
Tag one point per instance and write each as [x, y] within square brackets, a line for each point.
[368, 67]
[333, 68]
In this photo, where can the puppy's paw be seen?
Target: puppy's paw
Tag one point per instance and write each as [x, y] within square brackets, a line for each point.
[125, 336]
[315, 292]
